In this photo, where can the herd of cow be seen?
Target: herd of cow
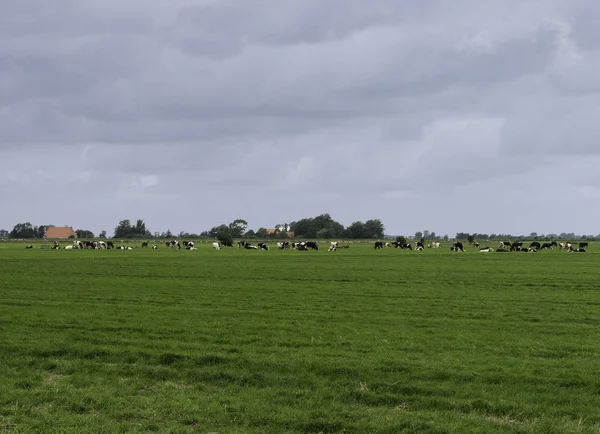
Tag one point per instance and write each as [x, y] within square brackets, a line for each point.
[505, 246]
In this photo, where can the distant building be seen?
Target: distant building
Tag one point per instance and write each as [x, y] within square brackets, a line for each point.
[64, 232]
[3, 233]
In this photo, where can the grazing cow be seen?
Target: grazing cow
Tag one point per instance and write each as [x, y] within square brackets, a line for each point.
[249, 246]
[29, 246]
[378, 245]
[486, 249]
[433, 245]
[263, 246]
[457, 246]
[155, 247]
[174, 244]
[420, 246]
[476, 244]
[567, 245]
[144, 244]
[583, 244]
[333, 246]
[546, 246]
[312, 245]
[56, 245]
[505, 244]
[110, 245]
[216, 246]
[302, 247]
[189, 245]
[576, 250]
[517, 246]
[77, 245]
[535, 245]
[388, 245]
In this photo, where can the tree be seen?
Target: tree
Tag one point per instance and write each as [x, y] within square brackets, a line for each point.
[356, 229]
[123, 229]
[418, 235]
[102, 234]
[373, 229]
[262, 233]
[237, 228]
[84, 233]
[400, 239]
[225, 238]
[470, 239]
[23, 230]
[218, 229]
[250, 234]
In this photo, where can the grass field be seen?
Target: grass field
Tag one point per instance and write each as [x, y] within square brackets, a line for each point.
[351, 341]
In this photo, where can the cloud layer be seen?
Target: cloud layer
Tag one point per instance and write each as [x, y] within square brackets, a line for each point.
[446, 116]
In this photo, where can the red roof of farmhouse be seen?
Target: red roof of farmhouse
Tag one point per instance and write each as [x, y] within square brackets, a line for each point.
[64, 232]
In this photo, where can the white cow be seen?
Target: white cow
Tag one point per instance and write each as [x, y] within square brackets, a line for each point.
[216, 246]
[434, 245]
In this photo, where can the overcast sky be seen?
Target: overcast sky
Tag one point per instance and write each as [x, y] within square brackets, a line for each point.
[440, 115]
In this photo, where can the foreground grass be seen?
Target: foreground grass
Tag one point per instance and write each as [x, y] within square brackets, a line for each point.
[348, 341]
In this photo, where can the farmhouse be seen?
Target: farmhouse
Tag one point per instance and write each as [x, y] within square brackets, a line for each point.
[60, 232]
[3, 233]
[274, 231]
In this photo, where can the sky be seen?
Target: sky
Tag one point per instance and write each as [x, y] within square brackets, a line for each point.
[434, 115]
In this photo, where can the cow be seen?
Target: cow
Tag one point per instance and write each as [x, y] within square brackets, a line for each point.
[174, 244]
[216, 246]
[263, 246]
[144, 244]
[535, 245]
[302, 247]
[189, 245]
[420, 246]
[486, 249]
[567, 245]
[505, 245]
[29, 246]
[546, 246]
[69, 247]
[457, 246]
[576, 250]
[333, 246]
[583, 244]
[312, 245]
[517, 246]
[56, 245]
[476, 244]
[378, 245]
[110, 245]
[77, 245]
[433, 245]
[249, 246]
[155, 247]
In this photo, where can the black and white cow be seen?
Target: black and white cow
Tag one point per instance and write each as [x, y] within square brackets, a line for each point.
[333, 246]
[29, 246]
[534, 245]
[504, 245]
[433, 245]
[144, 244]
[312, 245]
[420, 246]
[174, 244]
[378, 245]
[263, 246]
[517, 246]
[546, 246]
[583, 244]
[457, 246]
[189, 245]
[486, 249]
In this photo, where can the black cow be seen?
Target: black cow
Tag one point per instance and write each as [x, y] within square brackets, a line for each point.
[517, 246]
[420, 246]
[263, 246]
[583, 244]
[378, 245]
[546, 246]
[535, 245]
[144, 244]
[110, 245]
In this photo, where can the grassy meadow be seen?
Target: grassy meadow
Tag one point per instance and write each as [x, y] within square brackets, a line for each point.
[353, 341]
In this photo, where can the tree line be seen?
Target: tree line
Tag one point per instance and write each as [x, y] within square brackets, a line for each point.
[320, 227]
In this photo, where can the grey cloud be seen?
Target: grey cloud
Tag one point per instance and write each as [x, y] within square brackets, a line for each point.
[210, 107]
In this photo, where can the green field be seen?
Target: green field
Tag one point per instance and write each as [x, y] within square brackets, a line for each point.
[352, 341]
